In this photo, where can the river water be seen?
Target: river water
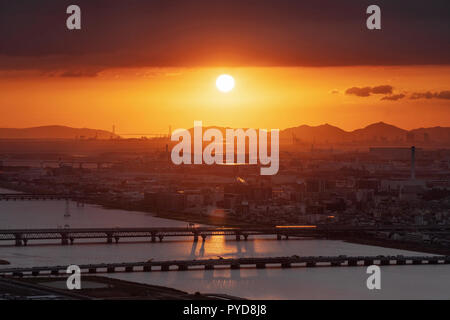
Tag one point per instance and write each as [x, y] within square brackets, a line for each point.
[402, 282]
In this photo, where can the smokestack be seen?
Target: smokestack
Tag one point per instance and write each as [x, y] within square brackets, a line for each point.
[413, 163]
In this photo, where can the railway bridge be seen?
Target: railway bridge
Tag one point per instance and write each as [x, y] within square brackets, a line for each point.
[235, 263]
[68, 236]
[37, 196]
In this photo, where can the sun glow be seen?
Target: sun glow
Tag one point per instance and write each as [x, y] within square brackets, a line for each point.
[225, 83]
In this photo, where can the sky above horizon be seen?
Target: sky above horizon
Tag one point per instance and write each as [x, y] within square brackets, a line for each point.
[147, 65]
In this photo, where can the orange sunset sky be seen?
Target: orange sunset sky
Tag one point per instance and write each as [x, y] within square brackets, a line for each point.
[149, 99]
[145, 66]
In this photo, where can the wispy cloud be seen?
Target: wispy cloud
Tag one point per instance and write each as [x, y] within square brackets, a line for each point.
[388, 91]
[368, 91]
[431, 95]
[79, 74]
[394, 97]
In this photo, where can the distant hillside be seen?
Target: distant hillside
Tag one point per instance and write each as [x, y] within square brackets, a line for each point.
[377, 132]
[322, 133]
[436, 134]
[54, 132]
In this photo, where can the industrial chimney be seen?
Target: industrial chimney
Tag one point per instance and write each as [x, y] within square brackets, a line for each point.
[413, 163]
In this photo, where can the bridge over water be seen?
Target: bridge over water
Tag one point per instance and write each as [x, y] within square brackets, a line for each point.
[55, 163]
[40, 197]
[111, 235]
[210, 264]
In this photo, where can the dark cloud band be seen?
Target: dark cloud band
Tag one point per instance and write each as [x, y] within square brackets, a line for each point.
[368, 91]
[394, 97]
[431, 95]
[136, 33]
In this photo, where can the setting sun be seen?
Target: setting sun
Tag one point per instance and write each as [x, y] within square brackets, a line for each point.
[225, 83]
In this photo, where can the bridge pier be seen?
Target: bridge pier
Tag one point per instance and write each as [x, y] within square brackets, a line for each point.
[287, 237]
[286, 265]
[64, 239]
[147, 268]
[238, 237]
[92, 270]
[311, 264]
[209, 267]
[35, 273]
[129, 269]
[433, 261]
[352, 262]
[153, 237]
[117, 239]
[447, 260]
[72, 240]
[18, 238]
[165, 267]
[109, 238]
[203, 237]
[401, 262]
[416, 262]
[25, 241]
[235, 266]
[182, 267]
[278, 236]
[161, 237]
[261, 265]
[336, 263]
[110, 269]
[17, 274]
[54, 272]
[385, 262]
[195, 237]
[245, 237]
[368, 262]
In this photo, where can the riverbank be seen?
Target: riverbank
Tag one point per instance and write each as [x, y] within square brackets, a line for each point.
[224, 221]
[227, 221]
[104, 288]
[402, 245]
